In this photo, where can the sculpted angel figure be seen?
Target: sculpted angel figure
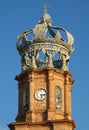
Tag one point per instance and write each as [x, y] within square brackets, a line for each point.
[65, 61]
[50, 55]
[25, 60]
[34, 57]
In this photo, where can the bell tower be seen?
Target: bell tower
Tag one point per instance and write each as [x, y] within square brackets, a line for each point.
[45, 84]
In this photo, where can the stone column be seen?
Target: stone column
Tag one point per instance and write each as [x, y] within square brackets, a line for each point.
[31, 91]
[50, 90]
[68, 87]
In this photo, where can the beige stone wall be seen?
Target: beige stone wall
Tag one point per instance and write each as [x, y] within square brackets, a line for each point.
[44, 110]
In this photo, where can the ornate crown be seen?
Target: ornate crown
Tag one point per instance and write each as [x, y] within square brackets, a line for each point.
[46, 48]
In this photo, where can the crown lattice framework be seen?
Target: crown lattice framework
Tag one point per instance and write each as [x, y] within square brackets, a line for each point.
[45, 50]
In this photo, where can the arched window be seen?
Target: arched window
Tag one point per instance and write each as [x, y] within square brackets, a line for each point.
[25, 99]
[58, 97]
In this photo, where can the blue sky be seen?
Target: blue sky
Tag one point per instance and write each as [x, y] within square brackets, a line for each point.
[17, 16]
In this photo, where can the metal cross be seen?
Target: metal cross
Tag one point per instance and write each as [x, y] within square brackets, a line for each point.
[45, 8]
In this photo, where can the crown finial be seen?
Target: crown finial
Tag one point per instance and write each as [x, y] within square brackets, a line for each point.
[45, 8]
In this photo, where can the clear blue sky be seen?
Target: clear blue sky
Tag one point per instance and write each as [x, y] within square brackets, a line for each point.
[17, 16]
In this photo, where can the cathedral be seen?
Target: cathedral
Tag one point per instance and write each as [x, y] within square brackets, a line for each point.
[45, 83]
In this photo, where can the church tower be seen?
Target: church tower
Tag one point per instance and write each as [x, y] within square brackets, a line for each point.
[45, 84]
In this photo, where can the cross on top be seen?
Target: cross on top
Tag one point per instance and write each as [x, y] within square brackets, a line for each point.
[45, 8]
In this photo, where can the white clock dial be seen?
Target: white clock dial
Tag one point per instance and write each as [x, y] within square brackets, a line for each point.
[40, 94]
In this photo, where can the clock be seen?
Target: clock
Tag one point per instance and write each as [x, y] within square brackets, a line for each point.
[40, 94]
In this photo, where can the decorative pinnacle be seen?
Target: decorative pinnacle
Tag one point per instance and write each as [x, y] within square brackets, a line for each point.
[45, 8]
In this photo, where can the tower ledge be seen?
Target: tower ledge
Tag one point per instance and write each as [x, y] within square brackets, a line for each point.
[47, 123]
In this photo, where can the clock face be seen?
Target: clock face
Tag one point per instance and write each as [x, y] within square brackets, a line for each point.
[40, 94]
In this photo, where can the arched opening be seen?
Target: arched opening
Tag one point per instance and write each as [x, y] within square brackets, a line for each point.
[41, 61]
[58, 97]
[57, 62]
[25, 99]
